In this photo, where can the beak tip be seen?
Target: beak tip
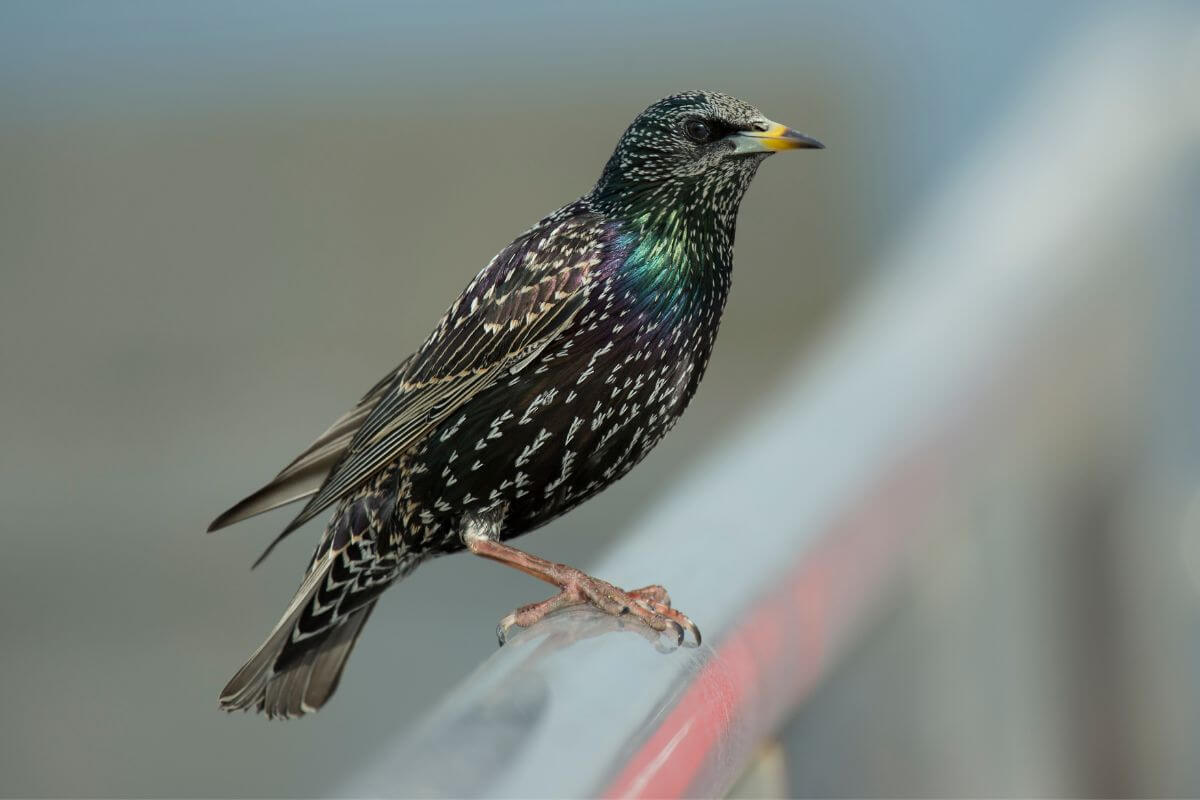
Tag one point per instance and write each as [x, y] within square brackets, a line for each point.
[805, 142]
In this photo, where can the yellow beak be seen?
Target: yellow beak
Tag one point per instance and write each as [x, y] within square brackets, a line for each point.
[776, 137]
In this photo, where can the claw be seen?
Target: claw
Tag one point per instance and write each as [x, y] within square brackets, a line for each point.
[681, 622]
[504, 626]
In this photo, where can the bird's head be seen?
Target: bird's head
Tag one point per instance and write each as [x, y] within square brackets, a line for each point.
[693, 140]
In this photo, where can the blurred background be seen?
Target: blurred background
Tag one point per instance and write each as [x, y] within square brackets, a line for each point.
[221, 222]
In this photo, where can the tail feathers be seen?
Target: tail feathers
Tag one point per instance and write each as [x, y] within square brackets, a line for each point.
[304, 683]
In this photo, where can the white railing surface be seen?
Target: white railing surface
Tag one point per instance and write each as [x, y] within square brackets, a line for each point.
[782, 543]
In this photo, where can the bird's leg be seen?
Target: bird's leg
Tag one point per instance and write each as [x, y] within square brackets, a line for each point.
[650, 604]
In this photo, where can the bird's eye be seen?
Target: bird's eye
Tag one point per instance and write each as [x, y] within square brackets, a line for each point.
[698, 130]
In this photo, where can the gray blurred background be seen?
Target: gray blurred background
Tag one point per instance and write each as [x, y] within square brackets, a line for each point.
[221, 222]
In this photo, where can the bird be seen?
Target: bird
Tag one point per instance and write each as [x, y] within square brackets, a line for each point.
[558, 368]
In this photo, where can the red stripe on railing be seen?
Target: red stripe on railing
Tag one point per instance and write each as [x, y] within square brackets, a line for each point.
[783, 646]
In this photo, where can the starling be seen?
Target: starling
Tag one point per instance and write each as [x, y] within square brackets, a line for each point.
[559, 367]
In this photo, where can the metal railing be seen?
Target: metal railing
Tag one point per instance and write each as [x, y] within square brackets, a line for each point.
[783, 543]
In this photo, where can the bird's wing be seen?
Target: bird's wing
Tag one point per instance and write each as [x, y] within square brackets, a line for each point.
[305, 474]
[527, 294]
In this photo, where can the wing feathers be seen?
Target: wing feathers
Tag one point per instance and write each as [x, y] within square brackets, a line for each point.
[297, 486]
[478, 338]
[516, 306]
[305, 474]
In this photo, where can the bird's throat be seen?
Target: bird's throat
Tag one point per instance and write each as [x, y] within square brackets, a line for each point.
[680, 247]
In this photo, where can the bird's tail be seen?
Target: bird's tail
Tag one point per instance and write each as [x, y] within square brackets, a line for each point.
[289, 678]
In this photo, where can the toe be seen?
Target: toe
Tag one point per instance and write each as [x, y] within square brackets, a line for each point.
[653, 593]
